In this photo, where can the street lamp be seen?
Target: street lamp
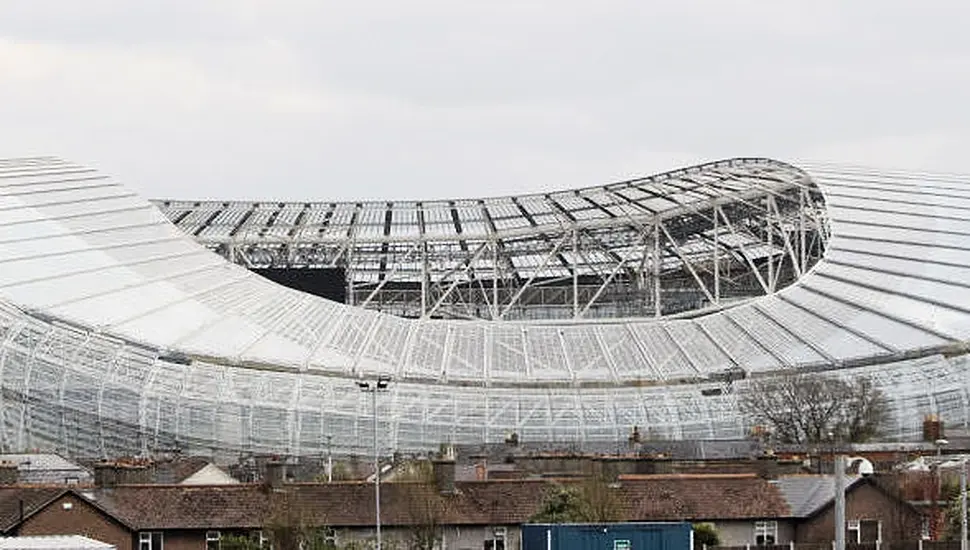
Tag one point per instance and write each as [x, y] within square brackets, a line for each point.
[379, 385]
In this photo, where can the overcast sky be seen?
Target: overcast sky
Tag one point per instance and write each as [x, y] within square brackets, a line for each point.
[313, 99]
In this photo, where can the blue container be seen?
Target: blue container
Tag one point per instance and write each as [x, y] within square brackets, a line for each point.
[607, 536]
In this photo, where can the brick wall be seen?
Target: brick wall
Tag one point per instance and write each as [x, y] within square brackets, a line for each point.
[69, 515]
[899, 522]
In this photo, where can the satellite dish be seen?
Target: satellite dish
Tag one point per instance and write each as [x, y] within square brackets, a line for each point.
[862, 465]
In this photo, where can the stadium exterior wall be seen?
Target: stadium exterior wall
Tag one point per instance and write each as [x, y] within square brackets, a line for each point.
[121, 336]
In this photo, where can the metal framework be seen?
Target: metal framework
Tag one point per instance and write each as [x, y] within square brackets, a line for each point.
[666, 244]
[119, 334]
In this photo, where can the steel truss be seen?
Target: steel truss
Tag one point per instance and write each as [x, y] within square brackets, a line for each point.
[722, 237]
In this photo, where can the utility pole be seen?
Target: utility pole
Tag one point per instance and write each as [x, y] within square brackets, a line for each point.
[839, 472]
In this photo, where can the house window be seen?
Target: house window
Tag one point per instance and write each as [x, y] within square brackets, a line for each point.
[325, 537]
[150, 540]
[765, 533]
[497, 539]
[330, 537]
[864, 530]
[212, 540]
[260, 538]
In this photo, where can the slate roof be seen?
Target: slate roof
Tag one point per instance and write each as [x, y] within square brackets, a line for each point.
[806, 494]
[183, 506]
[701, 497]
[497, 502]
[33, 499]
[46, 468]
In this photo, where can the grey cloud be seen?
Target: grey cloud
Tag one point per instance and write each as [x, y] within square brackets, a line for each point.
[307, 99]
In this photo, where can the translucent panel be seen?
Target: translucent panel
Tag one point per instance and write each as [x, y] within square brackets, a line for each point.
[916, 266]
[464, 356]
[905, 234]
[895, 291]
[426, 357]
[837, 342]
[507, 352]
[662, 352]
[883, 329]
[782, 343]
[624, 353]
[702, 351]
[587, 359]
[897, 249]
[546, 357]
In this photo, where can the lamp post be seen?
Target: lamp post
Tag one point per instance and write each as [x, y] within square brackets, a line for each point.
[379, 385]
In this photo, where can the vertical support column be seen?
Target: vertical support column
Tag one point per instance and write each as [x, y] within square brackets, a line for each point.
[350, 272]
[771, 245]
[801, 229]
[717, 259]
[495, 275]
[655, 266]
[573, 265]
[424, 279]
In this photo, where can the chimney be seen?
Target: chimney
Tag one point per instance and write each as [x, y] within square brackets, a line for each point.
[444, 470]
[110, 474]
[481, 471]
[275, 474]
[932, 428]
[105, 474]
[767, 466]
[9, 473]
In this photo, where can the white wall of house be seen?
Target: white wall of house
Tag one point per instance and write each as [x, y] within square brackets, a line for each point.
[469, 537]
[210, 474]
[742, 532]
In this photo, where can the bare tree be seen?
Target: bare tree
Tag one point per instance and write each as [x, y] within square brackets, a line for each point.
[813, 408]
[866, 410]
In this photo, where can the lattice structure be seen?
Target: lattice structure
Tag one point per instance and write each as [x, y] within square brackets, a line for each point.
[674, 242]
[119, 334]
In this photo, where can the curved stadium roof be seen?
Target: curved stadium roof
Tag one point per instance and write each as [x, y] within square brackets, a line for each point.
[103, 300]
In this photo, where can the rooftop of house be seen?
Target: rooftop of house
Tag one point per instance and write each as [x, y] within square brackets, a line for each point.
[37, 468]
[806, 494]
[691, 497]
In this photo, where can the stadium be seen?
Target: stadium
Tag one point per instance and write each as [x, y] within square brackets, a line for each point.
[130, 326]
